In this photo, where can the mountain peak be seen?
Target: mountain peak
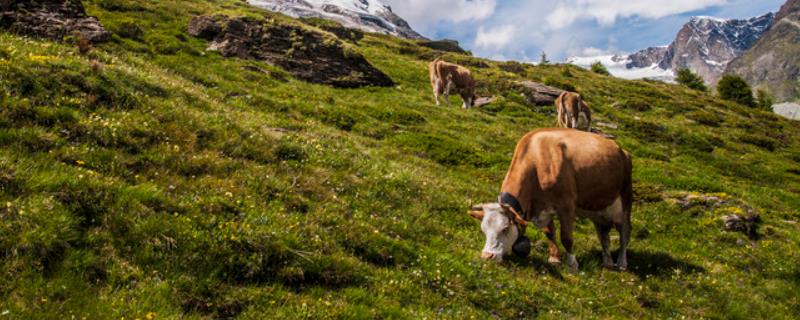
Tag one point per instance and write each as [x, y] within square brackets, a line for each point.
[700, 19]
[366, 15]
[772, 61]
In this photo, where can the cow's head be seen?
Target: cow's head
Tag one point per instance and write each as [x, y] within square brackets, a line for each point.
[503, 228]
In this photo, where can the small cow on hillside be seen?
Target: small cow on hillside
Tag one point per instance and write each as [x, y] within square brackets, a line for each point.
[565, 174]
[446, 77]
[573, 112]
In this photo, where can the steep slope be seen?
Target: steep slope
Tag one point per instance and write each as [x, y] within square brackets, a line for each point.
[773, 63]
[367, 15]
[150, 178]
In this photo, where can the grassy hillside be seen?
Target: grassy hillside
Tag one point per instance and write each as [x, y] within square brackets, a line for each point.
[168, 182]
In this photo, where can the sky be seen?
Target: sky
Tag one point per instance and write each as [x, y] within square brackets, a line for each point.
[523, 29]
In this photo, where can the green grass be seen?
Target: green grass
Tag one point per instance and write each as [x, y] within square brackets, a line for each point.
[173, 182]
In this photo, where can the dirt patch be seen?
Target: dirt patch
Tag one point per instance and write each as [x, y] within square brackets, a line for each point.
[51, 19]
[308, 55]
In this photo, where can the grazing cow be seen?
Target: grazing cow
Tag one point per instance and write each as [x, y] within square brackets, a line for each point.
[560, 173]
[573, 112]
[446, 77]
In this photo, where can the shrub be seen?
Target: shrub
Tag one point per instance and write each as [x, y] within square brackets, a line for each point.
[339, 119]
[286, 151]
[599, 68]
[513, 67]
[706, 118]
[760, 141]
[764, 100]
[636, 104]
[560, 84]
[401, 117]
[734, 88]
[444, 150]
[691, 80]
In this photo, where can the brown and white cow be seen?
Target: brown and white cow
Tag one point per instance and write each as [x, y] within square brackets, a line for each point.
[573, 112]
[447, 77]
[566, 174]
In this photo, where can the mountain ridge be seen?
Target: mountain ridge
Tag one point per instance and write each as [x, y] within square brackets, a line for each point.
[772, 63]
[705, 45]
[366, 15]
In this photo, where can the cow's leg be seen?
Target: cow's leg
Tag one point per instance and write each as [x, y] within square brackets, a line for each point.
[567, 221]
[436, 91]
[624, 237]
[467, 101]
[552, 247]
[602, 235]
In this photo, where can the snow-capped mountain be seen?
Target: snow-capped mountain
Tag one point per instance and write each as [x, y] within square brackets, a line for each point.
[772, 63]
[618, 66]
[367, 15]
[704, 45]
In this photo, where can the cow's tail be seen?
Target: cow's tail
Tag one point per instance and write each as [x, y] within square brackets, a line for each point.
[438, 70]
[562, 108]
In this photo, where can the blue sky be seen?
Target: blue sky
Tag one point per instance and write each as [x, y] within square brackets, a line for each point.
[522, 29]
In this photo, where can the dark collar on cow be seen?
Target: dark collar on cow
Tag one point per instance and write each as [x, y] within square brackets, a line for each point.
[510, 200]
[522, 246]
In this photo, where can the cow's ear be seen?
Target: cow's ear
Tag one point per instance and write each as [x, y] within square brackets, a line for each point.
[477, 214]
[515, 215]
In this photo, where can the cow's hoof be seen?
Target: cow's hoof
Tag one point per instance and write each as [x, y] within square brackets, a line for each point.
[622, 268]
[572, 263]
[553, 260]
[608, 266]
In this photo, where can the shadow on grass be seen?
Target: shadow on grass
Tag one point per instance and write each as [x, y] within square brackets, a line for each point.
[646, 264]
[643, 264]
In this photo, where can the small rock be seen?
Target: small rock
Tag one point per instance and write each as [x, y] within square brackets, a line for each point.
[607, 125]
[733, 223]
[747, 225]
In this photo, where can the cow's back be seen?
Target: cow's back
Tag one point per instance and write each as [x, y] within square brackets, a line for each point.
[567, 162]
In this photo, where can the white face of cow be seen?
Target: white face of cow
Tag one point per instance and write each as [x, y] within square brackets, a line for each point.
[500, 231]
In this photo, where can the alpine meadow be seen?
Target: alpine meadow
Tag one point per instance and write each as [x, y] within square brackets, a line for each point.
[146, 177]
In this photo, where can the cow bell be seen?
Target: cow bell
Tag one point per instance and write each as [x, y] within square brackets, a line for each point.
[522, 248]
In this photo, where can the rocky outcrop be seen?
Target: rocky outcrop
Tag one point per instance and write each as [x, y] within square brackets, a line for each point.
[308, 55]
[365, 15]
[647, 57]
[787, 110]
[772, 63]
[538, 94]
[51, 19]
[446, 45]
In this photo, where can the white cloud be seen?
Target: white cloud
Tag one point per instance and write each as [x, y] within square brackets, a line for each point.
[606, 12]
[424, 13]
[495, 38]
[594, 52]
